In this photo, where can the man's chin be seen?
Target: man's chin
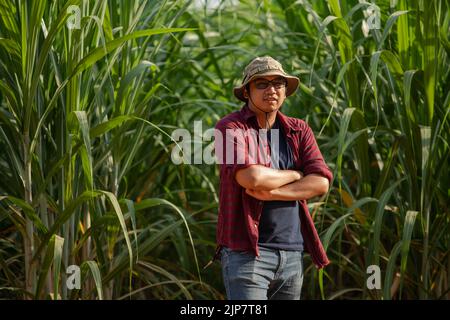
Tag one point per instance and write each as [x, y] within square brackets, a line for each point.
[273, 106]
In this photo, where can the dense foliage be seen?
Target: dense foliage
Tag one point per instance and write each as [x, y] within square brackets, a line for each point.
[86, 116]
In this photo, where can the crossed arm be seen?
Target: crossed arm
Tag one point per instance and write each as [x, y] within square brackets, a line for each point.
[269, 184]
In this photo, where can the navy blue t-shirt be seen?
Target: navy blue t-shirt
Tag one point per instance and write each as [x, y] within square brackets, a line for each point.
[279, 226]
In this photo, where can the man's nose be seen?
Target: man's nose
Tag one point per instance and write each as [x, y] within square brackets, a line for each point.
[271, 88]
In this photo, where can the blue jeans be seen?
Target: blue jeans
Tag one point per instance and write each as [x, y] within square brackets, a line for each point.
[275, 274]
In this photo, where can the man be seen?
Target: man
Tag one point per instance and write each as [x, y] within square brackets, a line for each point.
[264, 224]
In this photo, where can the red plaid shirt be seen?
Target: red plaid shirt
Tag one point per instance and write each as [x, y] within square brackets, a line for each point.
[239, 213]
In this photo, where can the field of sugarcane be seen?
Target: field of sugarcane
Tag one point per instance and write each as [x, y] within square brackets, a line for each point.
[91, 92]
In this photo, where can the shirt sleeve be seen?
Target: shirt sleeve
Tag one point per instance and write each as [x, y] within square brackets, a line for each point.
[312, 161]
[232, 148]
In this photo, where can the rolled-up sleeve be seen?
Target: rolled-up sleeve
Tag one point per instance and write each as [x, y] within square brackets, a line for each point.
[312, 161]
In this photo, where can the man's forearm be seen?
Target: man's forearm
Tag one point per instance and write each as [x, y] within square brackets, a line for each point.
[303, 189]
[258, 177]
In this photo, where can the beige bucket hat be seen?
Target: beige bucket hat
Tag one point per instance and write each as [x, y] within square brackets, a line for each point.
[265, 66]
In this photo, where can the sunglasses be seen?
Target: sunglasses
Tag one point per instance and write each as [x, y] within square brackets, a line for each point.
[276, 83]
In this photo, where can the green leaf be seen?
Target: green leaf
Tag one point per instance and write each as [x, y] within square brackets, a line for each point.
[390, 270]
[107, 126]
[374, 246]
[389, 23]
[132, 211]
[121, 219]
[408, 227]
[86, 154]
[99, 53]
[96, 275]
[64, 216]
[28, 211]
[57, 256]
[53, 253]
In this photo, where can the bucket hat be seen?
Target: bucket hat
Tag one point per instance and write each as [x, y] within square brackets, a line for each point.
[265, 66]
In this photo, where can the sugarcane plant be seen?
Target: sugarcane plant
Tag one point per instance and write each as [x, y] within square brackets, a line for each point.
[77, 92]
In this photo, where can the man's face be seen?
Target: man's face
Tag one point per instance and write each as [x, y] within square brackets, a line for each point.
[267, 93]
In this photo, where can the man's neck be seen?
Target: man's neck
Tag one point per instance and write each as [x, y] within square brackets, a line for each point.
[261, 117]
[263, 123]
